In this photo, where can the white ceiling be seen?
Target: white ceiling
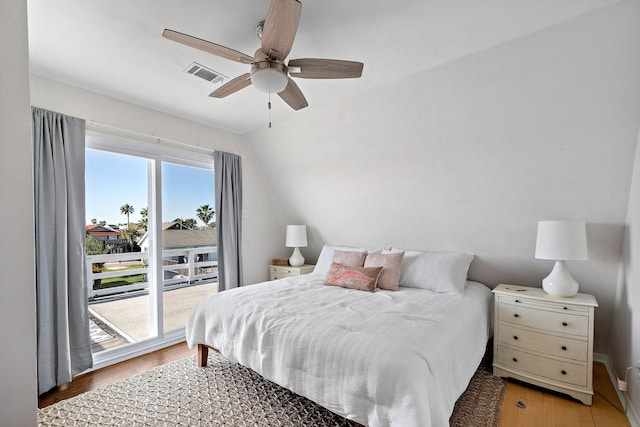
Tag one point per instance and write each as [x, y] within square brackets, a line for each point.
[115, 47]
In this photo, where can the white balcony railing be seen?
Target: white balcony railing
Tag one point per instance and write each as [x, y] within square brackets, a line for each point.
[180, 266]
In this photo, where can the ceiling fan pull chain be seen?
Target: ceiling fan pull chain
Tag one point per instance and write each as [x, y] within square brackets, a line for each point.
[269, 103]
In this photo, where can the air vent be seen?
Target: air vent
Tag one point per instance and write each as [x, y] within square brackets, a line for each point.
[204, 73]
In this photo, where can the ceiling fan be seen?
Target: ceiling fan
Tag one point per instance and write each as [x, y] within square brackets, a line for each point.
[269, 73]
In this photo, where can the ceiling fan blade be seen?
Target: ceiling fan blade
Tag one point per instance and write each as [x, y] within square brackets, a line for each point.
[232, 86]
[293, 96]
[280, 28]
[207, 46]
[315, 68]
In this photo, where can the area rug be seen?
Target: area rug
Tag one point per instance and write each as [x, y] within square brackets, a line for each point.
[480, 404]
[228, 394]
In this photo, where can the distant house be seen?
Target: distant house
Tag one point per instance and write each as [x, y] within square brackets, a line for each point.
[175, 236]
[109, 235]
[182, 242]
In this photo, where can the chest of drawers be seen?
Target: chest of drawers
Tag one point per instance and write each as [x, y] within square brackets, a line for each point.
[544, 340]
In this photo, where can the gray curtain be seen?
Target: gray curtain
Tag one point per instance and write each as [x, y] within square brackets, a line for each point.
[64, 343]
[228, 175]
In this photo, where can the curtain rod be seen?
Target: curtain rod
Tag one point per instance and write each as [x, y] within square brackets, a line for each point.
[93, 125]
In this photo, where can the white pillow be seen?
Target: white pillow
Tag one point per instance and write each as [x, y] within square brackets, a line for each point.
[326, 255]
[435, 271]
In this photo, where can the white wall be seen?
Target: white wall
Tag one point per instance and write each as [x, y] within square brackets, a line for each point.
[469, 156]
[18, 393]
[258, 230]
[624, 344]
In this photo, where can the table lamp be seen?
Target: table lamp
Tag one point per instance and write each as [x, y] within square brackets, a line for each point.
[296, 238]
[561, 241]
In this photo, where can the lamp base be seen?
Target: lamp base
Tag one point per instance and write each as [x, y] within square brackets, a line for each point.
[559, 282]
[296, 258]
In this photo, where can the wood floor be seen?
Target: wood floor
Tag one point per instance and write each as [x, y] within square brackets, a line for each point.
[542, 408]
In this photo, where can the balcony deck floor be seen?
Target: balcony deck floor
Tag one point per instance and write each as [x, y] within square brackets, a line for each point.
[129, 317]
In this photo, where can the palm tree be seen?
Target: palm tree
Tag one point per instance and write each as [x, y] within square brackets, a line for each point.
[144, 220]
[204, 214]
[130, 234]
[94, 221]
[127, 210]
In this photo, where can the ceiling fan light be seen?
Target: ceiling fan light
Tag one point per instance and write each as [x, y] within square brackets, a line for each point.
[269, 80]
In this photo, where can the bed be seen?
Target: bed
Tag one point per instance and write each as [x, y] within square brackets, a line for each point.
[382, 358]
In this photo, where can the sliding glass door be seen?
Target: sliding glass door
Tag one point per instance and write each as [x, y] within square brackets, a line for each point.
[151, 244]
[189, 255]
[117, 272]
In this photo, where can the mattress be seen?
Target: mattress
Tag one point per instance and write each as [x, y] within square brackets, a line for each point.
[381, 359]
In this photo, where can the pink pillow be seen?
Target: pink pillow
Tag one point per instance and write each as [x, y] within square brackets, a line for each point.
[391, 264]
[360, 278]
[349, 258]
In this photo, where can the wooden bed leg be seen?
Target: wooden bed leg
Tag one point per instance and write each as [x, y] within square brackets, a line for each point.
[203, 355]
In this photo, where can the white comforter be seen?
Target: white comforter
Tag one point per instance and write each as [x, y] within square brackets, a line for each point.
[382, 359]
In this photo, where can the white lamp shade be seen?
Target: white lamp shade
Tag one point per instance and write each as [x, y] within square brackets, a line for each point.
[296, 236]
[269, 80]
[561, 240]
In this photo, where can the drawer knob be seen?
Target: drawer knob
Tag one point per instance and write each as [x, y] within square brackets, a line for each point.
[563, 372]
[517, 300]
[565, 308]
[515, 359]
[516, 315]
[565, 324]
[515, 337]
[564, 347]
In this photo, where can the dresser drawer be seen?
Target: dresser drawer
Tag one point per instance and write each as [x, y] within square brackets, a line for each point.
[569, 348]
[560, 307]
[284, 271]
[566, 372]
[560, 322]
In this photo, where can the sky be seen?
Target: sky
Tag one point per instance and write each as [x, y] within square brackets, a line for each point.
[112, 180]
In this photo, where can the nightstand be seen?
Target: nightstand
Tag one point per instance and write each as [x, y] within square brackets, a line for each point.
[280, 271]
[543, 340]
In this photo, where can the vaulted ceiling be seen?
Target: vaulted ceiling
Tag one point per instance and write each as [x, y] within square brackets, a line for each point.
[115, 47]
